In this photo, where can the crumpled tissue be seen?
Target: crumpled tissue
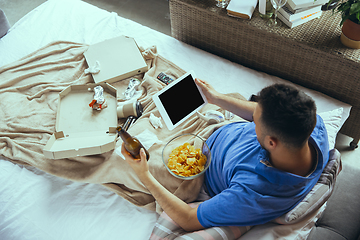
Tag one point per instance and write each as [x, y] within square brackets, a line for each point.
[155, 121]
[93, 69]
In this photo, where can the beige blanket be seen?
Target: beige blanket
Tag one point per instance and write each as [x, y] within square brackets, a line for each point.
[29, 91]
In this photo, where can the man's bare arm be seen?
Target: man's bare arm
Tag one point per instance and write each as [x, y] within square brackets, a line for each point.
[174, 207]
[242, 108]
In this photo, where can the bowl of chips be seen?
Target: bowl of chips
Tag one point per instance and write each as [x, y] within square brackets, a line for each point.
[186, 156]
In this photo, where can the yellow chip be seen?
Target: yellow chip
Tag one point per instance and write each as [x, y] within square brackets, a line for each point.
[186, 161]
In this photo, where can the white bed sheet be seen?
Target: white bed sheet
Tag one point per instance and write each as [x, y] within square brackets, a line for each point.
[77, 21]
[36, 205]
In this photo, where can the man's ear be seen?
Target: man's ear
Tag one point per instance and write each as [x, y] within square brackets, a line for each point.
[271, 142]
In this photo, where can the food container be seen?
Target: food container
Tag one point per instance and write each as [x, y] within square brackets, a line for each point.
[80, 130]
[180, 140]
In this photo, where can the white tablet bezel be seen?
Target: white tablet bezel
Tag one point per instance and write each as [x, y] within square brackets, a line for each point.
[161, 107]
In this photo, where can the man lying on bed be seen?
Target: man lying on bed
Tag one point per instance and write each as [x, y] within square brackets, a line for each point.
[261, 169]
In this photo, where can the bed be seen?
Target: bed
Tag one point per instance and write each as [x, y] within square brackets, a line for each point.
[38, 205]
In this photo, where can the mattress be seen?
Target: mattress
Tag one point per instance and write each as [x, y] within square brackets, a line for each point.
[36, 205]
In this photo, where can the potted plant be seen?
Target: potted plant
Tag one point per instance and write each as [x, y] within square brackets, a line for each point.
[350, 14]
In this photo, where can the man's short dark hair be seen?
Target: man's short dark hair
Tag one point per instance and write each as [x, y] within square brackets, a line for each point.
[287, 114]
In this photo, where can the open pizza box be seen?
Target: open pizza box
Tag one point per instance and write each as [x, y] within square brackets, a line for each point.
[81, 130]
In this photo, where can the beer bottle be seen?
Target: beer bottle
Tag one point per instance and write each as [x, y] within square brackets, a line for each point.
[132, 144]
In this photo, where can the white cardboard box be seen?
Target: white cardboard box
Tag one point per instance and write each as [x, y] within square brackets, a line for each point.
[119, 58]
[80, 130]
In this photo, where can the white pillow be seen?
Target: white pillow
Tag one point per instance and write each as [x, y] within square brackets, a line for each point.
[332, 120]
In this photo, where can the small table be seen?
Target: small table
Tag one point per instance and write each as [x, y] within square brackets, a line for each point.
[310, 55]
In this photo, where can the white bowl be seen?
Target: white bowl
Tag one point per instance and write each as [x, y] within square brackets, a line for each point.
[195, 141]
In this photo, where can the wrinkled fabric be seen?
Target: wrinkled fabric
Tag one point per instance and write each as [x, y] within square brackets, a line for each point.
[29, 90]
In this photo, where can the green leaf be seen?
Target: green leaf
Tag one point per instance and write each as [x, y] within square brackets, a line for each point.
[344, 18]
[355, 7]
[343, 7]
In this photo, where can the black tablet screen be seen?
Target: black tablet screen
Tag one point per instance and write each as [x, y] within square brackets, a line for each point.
[181, 99]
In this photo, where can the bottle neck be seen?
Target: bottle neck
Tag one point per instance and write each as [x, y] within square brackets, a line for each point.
[125, 136]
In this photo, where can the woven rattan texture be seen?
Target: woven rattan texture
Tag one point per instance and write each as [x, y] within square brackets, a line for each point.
[323, 33]
[310, 55]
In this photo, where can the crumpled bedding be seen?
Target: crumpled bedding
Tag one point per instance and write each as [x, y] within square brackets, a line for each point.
[29, 92]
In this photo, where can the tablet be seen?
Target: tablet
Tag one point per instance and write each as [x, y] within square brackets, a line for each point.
[179, 100]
